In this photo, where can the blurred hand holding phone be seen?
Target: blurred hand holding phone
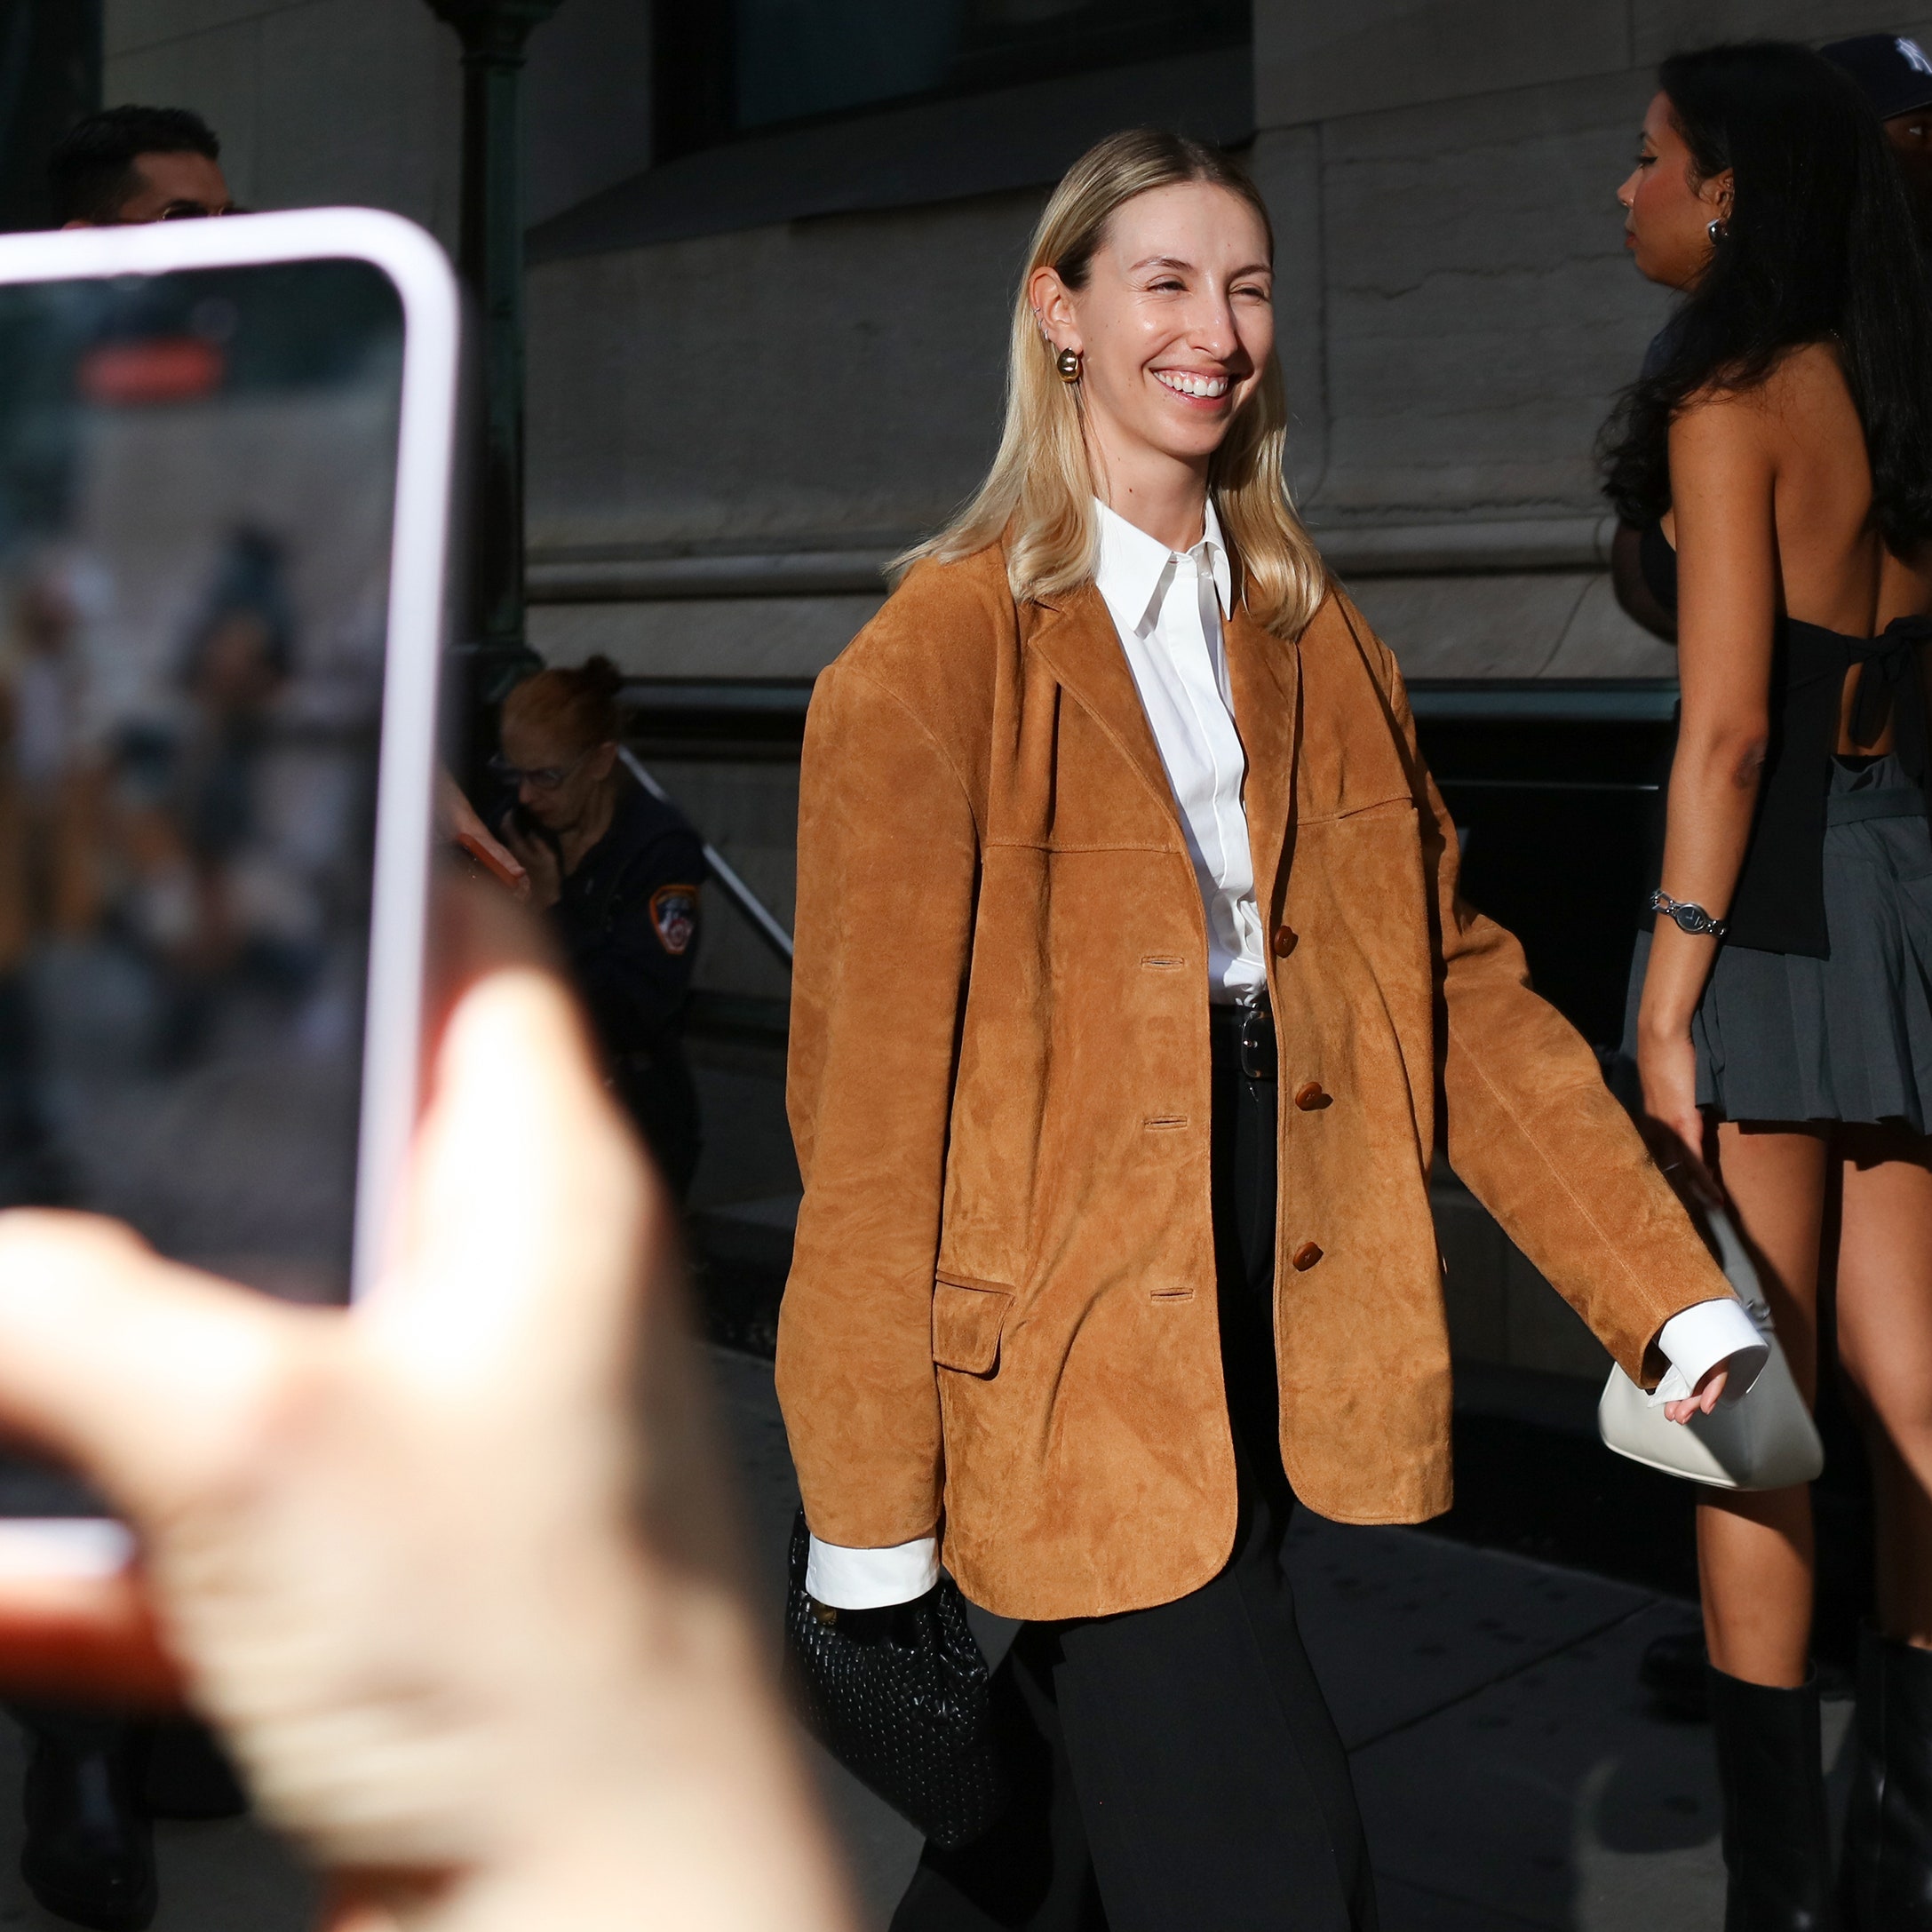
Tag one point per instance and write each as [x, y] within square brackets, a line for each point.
[225, 460]
[224, 464]
[467, 1610]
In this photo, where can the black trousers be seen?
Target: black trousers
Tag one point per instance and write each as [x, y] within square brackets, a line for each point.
[1176, 1770]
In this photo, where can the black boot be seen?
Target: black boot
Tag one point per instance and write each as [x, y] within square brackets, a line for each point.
[1886, 1885]
[90, 1853]
[1770, 1766]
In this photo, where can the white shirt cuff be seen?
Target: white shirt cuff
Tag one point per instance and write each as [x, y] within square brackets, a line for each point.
[871, 1580]
[1698, 1339]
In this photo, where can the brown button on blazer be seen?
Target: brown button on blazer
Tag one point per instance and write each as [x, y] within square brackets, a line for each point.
[1000, 1322]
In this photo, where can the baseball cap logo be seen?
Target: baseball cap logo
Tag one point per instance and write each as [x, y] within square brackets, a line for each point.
[1913, 55]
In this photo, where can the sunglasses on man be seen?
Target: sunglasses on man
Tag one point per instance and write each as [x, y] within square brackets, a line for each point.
[183, 210]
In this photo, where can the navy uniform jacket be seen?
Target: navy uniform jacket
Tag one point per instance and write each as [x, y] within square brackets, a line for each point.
[628, 920]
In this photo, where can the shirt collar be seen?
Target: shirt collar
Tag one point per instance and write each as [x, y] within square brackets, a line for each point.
[1132, 571]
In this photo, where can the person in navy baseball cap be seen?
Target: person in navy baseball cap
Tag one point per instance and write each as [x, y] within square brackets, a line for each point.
[1894, 73]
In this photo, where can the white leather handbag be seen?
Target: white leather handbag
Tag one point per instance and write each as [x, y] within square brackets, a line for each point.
[1765, 1440]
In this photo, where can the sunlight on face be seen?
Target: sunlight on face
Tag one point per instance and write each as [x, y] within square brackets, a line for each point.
[1176, 323]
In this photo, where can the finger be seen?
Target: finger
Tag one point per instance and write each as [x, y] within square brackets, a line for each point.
[129, 1369]
[1702, 1183]
[449, 802]
[474, 932]
[528, 1196]
[1683, 1158]
[495, 861]
[502, 852]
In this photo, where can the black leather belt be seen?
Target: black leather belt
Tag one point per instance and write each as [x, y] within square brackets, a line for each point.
[1243, 1037]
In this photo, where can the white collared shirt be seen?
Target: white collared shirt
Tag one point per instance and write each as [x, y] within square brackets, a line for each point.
[1168, 607]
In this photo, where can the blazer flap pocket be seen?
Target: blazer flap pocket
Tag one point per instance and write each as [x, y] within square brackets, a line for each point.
[966, 1321]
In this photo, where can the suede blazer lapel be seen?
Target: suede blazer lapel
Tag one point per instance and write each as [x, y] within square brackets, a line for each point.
[1264, 675]
[1075, 636]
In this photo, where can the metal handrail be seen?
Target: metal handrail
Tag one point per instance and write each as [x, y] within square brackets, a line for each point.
[741, 895]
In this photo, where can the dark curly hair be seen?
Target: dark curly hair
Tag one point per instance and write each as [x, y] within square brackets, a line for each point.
[91, 172]
[1821, 246]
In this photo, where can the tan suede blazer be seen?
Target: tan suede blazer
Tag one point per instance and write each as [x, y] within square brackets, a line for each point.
[1000, 1320]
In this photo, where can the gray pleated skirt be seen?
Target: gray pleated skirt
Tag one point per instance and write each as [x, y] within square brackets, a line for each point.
[1780, 1036]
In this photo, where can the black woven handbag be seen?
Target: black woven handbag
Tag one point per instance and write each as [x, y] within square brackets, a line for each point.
[899, 1697]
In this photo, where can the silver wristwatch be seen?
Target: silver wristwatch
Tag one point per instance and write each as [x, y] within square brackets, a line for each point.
[1690, 917]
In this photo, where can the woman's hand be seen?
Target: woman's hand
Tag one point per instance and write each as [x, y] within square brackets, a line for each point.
[538, 858]
[1723, 470]
[1673, 1124]
[1703, 1398]
[451, 1572]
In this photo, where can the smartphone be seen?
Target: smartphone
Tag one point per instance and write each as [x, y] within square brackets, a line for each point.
[226, 455]
[485, 862]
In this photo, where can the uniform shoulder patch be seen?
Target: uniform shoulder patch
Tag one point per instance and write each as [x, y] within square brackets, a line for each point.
[674, 917]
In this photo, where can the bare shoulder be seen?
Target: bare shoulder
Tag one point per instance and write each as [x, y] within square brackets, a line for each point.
[1804, 391]
[1725, 433]
[1808, 392]
[1811, 369]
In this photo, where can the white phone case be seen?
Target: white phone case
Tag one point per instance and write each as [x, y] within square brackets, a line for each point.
[420, 273]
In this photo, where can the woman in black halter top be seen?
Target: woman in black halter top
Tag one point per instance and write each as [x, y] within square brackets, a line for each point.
[1779, 463]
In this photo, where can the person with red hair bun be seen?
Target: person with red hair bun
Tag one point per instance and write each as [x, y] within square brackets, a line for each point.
[618, 872]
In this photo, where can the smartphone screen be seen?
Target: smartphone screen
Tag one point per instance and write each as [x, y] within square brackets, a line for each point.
[197, 480]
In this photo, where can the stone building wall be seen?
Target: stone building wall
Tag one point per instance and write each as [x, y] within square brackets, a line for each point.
[360, 101]
[730, 427]
[1456, 313]
[755, 374]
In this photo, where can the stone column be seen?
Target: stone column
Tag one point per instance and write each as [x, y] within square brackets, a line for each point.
[490, 256]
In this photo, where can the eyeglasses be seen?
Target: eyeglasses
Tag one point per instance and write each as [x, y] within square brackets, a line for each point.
[181, 211]
[540, 777]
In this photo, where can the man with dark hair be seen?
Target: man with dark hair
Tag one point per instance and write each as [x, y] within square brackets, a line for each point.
[137, 165]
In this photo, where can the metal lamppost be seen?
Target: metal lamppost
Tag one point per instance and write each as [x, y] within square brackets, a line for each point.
[490, 256]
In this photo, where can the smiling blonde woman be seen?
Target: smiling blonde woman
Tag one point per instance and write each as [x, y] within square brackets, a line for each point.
[1112, 829]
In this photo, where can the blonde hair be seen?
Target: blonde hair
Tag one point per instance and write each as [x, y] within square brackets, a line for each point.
[1038, 496]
